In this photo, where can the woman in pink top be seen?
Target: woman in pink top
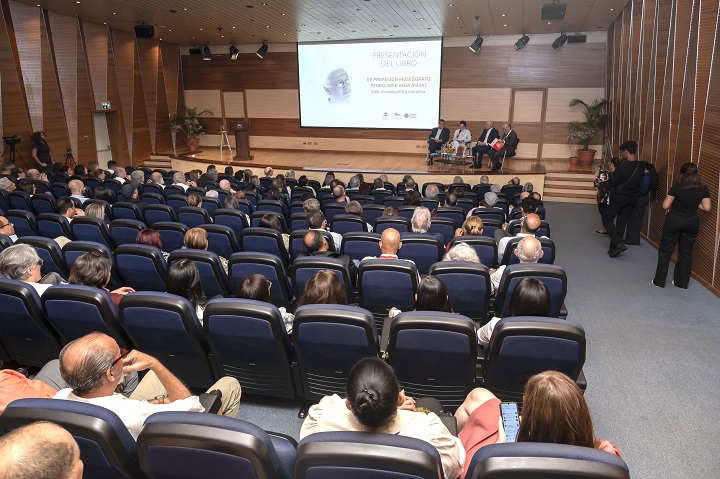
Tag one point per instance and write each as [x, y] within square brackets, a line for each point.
[554, 411]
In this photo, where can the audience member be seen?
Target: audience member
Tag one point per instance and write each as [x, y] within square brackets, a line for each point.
[105, 194]
[316, 245]
[272, 221]
[339, 195]
[184, 280]
[421, 223]
[432, 192]
[179, 180]
[489, 200]
[268, 172]
[212, 194]
[258, 288]
[7, 229]
[26, 186]
[311, 204]
[528, 227]
[196, 238]
[390, 211]
[95, 210]
[94, 269]
[66, 207]
[472, 226]
[77, 188]
[7, 184]
[316, 221]
[22, 263]
[412, 198]
[432, 295]
[462, 252]
[130, 194]
[120, 175]
[151, 237]
[355, 208]
[323, 288]
[156, 178]
[194, 200]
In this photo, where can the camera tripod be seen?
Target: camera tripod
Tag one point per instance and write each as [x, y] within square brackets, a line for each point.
[13, 151]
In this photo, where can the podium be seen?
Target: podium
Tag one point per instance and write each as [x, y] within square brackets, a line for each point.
[242, 139]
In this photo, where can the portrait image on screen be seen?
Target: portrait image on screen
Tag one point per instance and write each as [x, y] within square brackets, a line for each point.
[370, 84]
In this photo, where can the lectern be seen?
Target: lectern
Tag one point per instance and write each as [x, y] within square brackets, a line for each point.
[242, 139]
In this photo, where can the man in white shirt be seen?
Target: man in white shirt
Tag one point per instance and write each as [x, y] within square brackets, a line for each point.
[316, 221]
[77, 188]
[461, 137]
[529, 226]
[22, 263]
[7, 229]
[120, 174]
[94, 366]
[66, 207]
[529, 250]
[179, 180]
[157, 178]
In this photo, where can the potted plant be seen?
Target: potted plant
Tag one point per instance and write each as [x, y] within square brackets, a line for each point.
[191, 125]
[583, 132]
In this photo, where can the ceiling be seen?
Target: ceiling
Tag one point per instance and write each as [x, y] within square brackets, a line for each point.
[189, 22]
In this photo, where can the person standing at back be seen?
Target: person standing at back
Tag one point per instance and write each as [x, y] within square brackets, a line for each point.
[681, 225]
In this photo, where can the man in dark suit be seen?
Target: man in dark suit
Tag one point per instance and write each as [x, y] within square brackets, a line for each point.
[438, 137]
[510, 138]
[482, 146]
[316, 245]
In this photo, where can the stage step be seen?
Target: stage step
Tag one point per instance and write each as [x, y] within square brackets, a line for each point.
[158, 162]
[571, 187]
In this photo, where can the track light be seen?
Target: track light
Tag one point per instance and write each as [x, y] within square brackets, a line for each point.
[475, 47]
[560, 41]
[206, 53]
[262, 50]
[234, 52]
[522, 42]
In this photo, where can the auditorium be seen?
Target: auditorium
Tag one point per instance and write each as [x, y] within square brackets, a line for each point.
[359, 238]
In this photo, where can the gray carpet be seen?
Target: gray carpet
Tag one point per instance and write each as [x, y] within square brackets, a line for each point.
[652, 353]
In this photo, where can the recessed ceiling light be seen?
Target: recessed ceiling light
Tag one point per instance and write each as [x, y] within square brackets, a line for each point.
[104, 23]
[234, 27]
[201, 29]
[284, 34]
[161, 39]
[221, 36]
[422, 19]
[282, 14]
[169, 30]
[372, 21]
[340, 23]
[267, 26]
[457, 18]
[78, 1]
[38, 5]
[502, 15]
[549, 23]
[449, 4]
[185, 9]
[612, 9]
[114, 13]
[505, 25]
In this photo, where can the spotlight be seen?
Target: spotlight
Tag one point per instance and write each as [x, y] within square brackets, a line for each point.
[206, 53]
[262, 50]
[560, 41]
[475, 47]
[522, 42]
[234, 52]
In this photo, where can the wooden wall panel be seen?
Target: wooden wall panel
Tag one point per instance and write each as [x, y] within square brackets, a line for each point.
[123, 152]
[124, 60]
[272, 103]
[148, 55]
[170, 57]
[476, 104]
[558, 102]
[54, 124]
[234, 103]
[205, 100]
[86, 150]
[64, 37]
[248, 72]
[96, 46]
[142, 143]
[26, 22]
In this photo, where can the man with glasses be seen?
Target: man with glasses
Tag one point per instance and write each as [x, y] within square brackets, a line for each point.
[7, 229]
[94, 367]
[22, 263]
[337, 86]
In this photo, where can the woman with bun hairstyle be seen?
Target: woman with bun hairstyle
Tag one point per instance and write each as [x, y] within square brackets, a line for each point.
[374, 403]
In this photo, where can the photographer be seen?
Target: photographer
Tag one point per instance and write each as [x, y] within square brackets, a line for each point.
[601, 192]
[41, 151]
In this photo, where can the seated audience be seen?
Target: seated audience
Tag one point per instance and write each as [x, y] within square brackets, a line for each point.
[77, 188]
[472, 226]
[311, 204]
[316, 221]
[151, 237]
[489, 200]
[390, 244]
[323, 288]
[554, 411]
[421, 222]
[412, 198]
[527, 205]
[95, 210]
[94, 269]
[130, 193]
[528, 227]
[272, 221]
[390, 211]
[22, 263]
[432, 192]
[257, 287]
[529, 251]
[196, 238]
[66, 207]
[184, 280]
[105, 194]
[316, 245]
[338, 193]
[432, 295]
[7, 229]
[462, 252]
[194, 200]
[211, 194]
[374, 402]
[94, 366]
[355, 208]
[179, 180]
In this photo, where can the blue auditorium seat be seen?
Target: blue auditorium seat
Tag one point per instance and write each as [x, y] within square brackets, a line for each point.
[213, 279]
[468, 286]
[245, 264]
[142, 267]
[553, 276]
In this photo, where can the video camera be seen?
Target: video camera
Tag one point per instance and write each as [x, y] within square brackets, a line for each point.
[11, 140]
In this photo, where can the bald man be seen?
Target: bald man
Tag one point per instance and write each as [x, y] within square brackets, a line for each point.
[94, 367]
[41, 450]
[316, 245]
[488, 135]
[529, 226]
[529, 250]
[77, 188]
[225, 185]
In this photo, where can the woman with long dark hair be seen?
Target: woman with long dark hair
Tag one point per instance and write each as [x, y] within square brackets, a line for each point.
[432, 295]
[184, 280]
[681, 225]
[41, 151]
[257, 287]
[323, 288]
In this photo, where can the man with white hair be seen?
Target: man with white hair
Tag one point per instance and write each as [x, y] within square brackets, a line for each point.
[22, 263]
[137, 177]
[421, 221]
[120, 174]
[462, 252]
[225, 185]
[157, 178]
[529, 250]
[212, 194]
[269, 172]
[179, 180]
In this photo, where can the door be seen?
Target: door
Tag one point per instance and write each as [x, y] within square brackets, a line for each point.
[102, 139]
[527, 116]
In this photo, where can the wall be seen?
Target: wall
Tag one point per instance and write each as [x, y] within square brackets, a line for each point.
[665, 94]
[56, 70]
[474, 88]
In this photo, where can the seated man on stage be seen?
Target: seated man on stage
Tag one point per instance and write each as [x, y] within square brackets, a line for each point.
[462, 137]
[511, 139]
[438, 136]
[482, 146]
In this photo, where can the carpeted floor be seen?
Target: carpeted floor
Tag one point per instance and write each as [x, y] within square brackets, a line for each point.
[652, 353]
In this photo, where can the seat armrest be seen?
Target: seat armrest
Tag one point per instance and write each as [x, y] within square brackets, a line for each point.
[563, 311]
[385, 338]
[211, 401]
[581, 381]
[450, 423]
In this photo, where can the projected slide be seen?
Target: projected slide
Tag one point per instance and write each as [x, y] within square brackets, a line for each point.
[371, 84]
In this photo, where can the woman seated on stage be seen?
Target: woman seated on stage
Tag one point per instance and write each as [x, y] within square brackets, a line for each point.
[554, 411]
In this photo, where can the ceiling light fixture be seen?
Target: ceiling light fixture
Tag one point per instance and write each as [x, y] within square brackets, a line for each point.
[234, 52]
[207, 55]
[262, 51]
[475, 47]
[560, 41]
[520, 44]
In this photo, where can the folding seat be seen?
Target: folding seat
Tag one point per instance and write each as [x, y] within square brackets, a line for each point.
[74, 249]
[172, 234]
[511, 190]
[176, 202]
[245, 207]
[385, 198]
[548, 247]
[468, 286]
[221, 240]
[440, 187]
[222, 196]
[364, 200]
[26, 335]
[264, 240]
[42, 203]
[314, 184]
[213, 279]
[23, 221]
[523, 346]
[423, 250]
[60, 189]
[553, 276]
[49, 252]
[157, 213]
[466, 204]
[386, 283]
[233, 219]
[52, 225]
[323, 195]
[486, 248]
[211, 204]
[113, 185]
[544, 229]
[489, 227]
[433, 354]
[272, 206]
[298, 192]
[109, 215]
[249, 342]
[406, 212]
[329, 340]
[74, 311]
[252, 198]
[444, 226]
[257, 216]
[297, 207]
[533, 460]
[107, 449]
[142, 267]
[398, 222]
[152, 199]
[243, 265]
[466, 187]
[333, 210]
[297, 244]
[305, 268]
[125, 231]
[5, 242]
[165, 326]
[126, 211]
[174, 190]
[490, 214]
[93, 182]
[92, 229]
[291, 183]
[298, 221]
[265, 182]
[453, 212]
[4, 201]
[195, 190]
[193, 216]
[371, 212]
[187, 444]
[430, 203]
[152, 188]
[343, 224]
[42, 187]
[360, 245]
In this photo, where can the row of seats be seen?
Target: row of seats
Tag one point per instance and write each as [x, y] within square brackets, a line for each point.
[195, 445]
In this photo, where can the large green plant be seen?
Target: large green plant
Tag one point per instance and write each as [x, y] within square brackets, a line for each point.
[582, 132]
[190, 123]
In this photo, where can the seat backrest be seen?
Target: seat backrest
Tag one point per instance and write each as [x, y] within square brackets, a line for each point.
[398, 222]
[20, 200]
[422, 249]
[243, 265]
[553, 276]
[74, 311]
[5, 242]
[106, 447]
[52, 225]
[548, 247]
[142, 267]
[92, 229]
[59, 189]
[49, 252]
[174, 190]
[468, 286]
[257, 216]
[153, 188]
[157, 212]
[305, 267]
[249, 341]
[23, 221]
[453, 212]
[544, 229]
[112, 185]
[343, 224]
[44, 204]
[221, 240]
[186, 444]
[211, 204]
[172, 234]
[333, 210]
[360, 245]
[176, 202]
[371, 212]
[443, 226]
[386, 199]
[193, 216]
[152, 199]
[297, 244]
[272, 206]
[4, 201]
[490, 214]
[125, 231]
[213, 279]
[440, 186]
[124, 210]
[264, 240]
[386, 283]
[329, 340]
[234, 219]
[536, 460]
[165, 326]
[298, 221]
[26, 335]
[486, 248]
[363, 455]
[433, 354]
[74, 249]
